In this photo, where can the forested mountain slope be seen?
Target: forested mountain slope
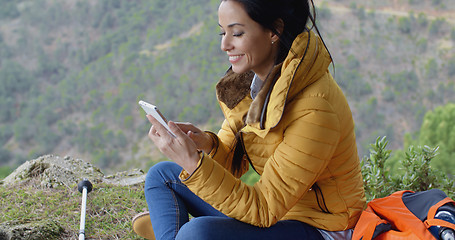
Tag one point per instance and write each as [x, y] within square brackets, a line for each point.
[72, 71]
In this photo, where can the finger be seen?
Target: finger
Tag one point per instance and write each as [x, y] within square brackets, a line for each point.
[152, 132]
[186, 127]
[176, 130]
[159, 128]
[194, 136]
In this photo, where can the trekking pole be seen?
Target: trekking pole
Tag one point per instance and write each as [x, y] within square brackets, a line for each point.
[84, 187]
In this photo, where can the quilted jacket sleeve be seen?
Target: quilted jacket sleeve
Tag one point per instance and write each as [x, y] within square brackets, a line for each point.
[222, 151]
[309, 141]
[224, 142]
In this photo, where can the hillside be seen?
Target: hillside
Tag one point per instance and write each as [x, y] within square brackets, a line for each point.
[72, 72]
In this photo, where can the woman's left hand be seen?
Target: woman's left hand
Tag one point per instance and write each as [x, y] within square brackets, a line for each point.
[180, 149]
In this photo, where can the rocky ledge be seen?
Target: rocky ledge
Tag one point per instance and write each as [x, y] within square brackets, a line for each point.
[51, 171]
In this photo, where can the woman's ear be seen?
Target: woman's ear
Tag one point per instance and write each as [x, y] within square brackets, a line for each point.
[279, 26]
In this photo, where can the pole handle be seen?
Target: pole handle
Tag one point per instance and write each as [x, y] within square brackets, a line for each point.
[85, 183]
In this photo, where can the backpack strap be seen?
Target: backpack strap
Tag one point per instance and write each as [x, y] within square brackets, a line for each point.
[431, 221]
[369, 225]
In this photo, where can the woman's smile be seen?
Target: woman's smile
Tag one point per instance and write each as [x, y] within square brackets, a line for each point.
[235, 58]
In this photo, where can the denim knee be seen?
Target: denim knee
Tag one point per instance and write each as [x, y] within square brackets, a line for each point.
[163, 171]
[199, 228]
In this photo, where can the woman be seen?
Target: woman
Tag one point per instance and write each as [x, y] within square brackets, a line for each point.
[284, 115]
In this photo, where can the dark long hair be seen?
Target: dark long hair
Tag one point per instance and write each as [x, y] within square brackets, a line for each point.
[295, 16]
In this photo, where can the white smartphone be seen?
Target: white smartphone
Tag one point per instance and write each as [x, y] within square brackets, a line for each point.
[153, 110]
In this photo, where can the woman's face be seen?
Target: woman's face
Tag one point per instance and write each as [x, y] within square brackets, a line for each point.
[248, 45]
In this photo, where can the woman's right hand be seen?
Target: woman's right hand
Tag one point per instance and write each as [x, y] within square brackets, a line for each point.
[202, 139]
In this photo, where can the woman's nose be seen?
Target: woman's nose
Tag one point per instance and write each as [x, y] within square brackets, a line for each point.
[226, 44]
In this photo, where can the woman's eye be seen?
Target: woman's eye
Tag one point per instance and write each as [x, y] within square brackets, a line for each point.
[233, 34]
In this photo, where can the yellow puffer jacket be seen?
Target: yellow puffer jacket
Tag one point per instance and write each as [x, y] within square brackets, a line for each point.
[299, 136]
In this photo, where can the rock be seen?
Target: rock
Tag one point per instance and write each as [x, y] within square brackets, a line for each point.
[51, 171]
[127, 178]
[37, 230]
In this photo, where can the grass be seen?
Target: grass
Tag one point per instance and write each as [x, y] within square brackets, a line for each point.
[108, 216]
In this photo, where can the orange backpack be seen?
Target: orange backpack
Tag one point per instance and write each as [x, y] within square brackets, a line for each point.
[403, 215]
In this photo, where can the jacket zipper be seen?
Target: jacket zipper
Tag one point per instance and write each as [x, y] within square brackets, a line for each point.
[246, 154]
[320, 199]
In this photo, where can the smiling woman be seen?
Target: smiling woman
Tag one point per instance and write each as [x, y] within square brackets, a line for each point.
[250, 47]
[285, 116]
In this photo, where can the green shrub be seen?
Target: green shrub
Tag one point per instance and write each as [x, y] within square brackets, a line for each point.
[9, 9]
[451, 67]
[416, 174]
[404, 25]
[421, 45]
[438, 129]
[5, 157]
[431, 69]
[324, 11]
[435, 26]
[436, 2]
[422, 19]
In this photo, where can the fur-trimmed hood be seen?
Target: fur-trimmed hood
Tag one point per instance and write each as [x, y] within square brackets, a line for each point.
[306, 62]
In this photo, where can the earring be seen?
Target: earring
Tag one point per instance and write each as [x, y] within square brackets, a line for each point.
[273, 42]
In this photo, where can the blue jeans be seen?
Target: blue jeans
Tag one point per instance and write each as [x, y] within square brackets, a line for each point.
[170, 202]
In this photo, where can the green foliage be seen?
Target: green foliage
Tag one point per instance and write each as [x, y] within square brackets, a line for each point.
[377, 182]
[359, 11]
[422, 20]
[9, 9]
[422, 45]
[72, 67]
[351, 80]
[250, 177]
[412, 2]
[5, 157]
[100, 141]
[436, 2]
[417, 174]
[404, 81]
[5, 134]
[431, 69]
[451, 67]
[50, 68]
[436, 26]
[15, 79]
[388, 94]
[438, 129]
[404, 25]
[324, 11]
[99, 66]
[369, 114]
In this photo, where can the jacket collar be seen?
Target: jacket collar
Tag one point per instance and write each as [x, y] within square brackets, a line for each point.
[233, 87]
